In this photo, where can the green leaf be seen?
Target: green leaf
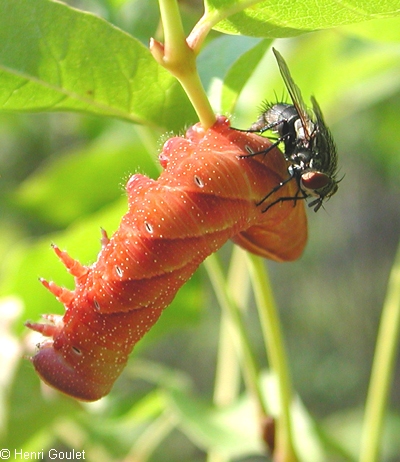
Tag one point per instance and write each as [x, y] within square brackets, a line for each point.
[231, 431]
[286, 18]
[381, 30]
[344, 430]
[220, 54]
[339, 71]
[55, 58]
[239, 74]
[229, 60]
[83, 180]
[119, 432]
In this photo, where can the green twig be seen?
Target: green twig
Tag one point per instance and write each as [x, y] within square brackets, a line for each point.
[284, 451]
[151, 438]
[249, 364]
[227, 375]
[382, 368]
[179, 59]
[211, 17]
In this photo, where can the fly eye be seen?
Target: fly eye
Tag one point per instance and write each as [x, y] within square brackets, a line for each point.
[313, 181]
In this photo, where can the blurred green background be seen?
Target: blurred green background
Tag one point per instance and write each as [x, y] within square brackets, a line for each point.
[63, 176]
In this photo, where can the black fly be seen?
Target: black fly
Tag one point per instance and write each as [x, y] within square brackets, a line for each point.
[308, 144]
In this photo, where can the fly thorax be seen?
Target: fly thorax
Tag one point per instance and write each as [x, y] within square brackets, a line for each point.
[303, 131]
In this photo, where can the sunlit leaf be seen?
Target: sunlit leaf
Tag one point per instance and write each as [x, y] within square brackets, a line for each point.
[286, 18]
[56, 58]
[218, 61]
[240, 72]
[382, 30]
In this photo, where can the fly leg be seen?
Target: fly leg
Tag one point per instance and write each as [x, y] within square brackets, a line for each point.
[300, 194]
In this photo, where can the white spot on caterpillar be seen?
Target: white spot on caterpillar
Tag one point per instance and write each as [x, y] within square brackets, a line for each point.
[198, 181]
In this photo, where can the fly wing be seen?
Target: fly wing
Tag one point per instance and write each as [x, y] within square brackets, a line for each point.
[325, 142]
[294, 92]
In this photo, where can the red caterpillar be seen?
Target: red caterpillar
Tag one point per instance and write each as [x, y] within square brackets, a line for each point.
[206, 195]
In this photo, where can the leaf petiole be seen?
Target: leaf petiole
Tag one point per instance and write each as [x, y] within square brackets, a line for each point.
[179, 59]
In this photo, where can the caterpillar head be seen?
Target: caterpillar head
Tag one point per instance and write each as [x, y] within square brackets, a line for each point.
[54, 369]
[78, 370]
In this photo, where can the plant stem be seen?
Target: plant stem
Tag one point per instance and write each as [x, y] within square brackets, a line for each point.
[249, 364]
[211, 17]
[284, 451]
[180, 60]
[382, 368]
[151, 438]
[227, 375]
[227, 381]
